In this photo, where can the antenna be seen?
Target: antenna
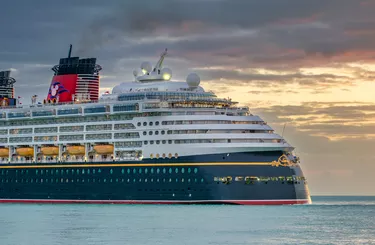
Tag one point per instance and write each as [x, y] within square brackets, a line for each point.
[159, 64]
[70, 51]
[282, 134]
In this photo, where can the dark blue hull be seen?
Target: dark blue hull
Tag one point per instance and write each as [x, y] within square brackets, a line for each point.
[237, 178]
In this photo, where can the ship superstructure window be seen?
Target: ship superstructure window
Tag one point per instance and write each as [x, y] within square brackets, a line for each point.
[20, 139]
[3, 131]
[3, 140]
[69, 111]
[21, 131]
[45, 130]
[98, 109]
[128, 144]
[180, 122]
[126, 135]
[98, 136]
[125, 126]
[132, 107]
[18, 114]
[45, 138]
[71, 128]
[71, 137]
[43, 113]
[99, 127]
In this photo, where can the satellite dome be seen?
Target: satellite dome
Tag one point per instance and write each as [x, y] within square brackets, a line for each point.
[117, 90]
[193, 80]
[146, 67]
[166, 74]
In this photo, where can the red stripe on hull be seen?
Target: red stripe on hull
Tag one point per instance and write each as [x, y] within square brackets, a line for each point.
[238, 202]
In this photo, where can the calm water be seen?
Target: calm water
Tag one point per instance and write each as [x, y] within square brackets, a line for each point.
[330, 220]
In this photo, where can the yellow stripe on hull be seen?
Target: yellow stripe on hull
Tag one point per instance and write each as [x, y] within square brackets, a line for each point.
[139, 165]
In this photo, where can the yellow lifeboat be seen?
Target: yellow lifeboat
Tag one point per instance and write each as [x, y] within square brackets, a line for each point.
[25, 151]
[4, 152]
[76, 150]
[103, 149]
[50, 151]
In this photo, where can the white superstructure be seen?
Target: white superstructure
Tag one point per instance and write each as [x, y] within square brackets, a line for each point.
[151, 117]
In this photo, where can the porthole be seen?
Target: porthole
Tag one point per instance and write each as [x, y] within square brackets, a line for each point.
[162, 132]
[158, 142]
[157, 170]
[163, 155]
[202, 180]
[157, 123]
[189, 170]
[111, 171]
[134, 171]
[128, 171]
[150, 133]
[157, 156]
[122, 171]
[151, 142]
[88, 171]
[83, 171]
[170, 170]
[139, 124]
[140, 180]
[146, 171]
[182, 170]
[144, 124]
[144, 133]
[140, 170]
[151, 123]
[182, 180]
[152, 170]
[175, 155]
[164, 170]
[170, 180]
[169, 141]
[176, 170]
[176, 180]
[145, 180]
[151, 155]
[163, 141]
[156, 132]
[145, 142]
[170, 155]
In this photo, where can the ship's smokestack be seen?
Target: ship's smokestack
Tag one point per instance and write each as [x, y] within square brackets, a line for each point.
[70, 51]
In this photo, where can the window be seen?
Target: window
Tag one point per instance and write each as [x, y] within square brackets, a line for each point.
[156, 132]
[163, 132]
[145, 142]
[164, 141]
[144, 124]
[139, 124]
[151, 142]
[150, 123]
[157, 123]
[144, 132]
[150, 133]
[158, 142]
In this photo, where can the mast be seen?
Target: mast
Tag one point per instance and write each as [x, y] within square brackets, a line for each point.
[70, 51]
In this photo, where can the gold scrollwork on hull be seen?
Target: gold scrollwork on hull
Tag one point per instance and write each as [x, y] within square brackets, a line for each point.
[283, 161]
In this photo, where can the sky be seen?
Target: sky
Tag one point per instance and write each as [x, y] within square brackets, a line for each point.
[306, 65]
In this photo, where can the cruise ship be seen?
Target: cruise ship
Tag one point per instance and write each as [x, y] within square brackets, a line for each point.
[148, 141]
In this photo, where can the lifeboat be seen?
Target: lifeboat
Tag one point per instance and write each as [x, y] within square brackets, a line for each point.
[25, 151]
[4, 152]
[50, 151]
[103, 149]
[76, 150]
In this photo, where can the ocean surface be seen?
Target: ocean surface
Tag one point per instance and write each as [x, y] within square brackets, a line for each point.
[329, 220]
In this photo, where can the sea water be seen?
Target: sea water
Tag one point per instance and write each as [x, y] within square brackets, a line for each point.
[329, 220]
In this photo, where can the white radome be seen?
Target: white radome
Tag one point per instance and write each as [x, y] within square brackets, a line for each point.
[193, 80]
[146, 67]
[166, 74]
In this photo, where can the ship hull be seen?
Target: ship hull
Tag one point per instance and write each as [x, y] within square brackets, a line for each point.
[182, 180]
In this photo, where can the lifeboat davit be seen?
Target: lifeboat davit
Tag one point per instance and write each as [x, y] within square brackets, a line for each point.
[25, 151]
[103, 149]
[4, 152]
[50, 150]
[76, 150]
